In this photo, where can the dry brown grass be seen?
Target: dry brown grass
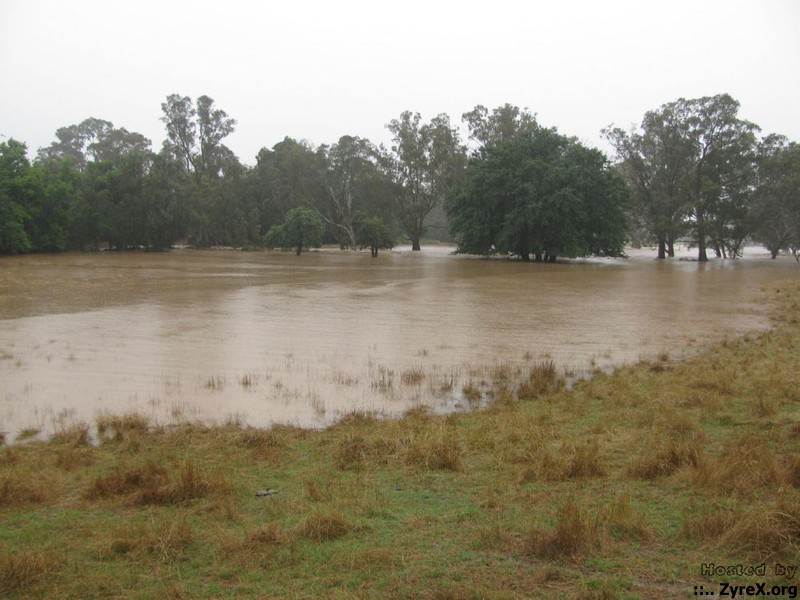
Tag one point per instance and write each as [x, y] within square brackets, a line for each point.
[471, 392]
[624, 520]
[746, 465]
[710, 524]
[269, 535]
[543, 462]
[20, 487]
[768, 532]
[664, 456]
[576, 534]
[323, 526]
[355, 419]
[151, 483]
[350, 451]
[23, 567]
[260, 441]
[543, 378]
[75, 436]
[412, 377]
[434, 449]
[118, 428]
[165, 539]
[763, 533]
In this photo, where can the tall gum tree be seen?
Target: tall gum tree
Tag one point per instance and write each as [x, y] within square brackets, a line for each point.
[425, 161]
[654, 161]
[348, 170]
[504, 122]
[194, 135]
[776, 202]
[691, 167]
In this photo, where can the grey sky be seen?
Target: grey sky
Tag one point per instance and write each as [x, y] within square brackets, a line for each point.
[319, 70]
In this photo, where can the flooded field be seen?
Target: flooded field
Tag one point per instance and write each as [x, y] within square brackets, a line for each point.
[261, 338]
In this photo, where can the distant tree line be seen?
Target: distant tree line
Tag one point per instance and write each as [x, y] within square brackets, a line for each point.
[693, 170]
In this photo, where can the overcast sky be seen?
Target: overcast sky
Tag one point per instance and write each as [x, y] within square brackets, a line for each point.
[318, 70]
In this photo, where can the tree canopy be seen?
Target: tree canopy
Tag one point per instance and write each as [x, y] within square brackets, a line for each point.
[425, 161]
[692, 167]
[539, 193]
[302, 229]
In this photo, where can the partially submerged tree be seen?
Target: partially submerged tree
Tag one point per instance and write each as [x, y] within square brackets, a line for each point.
[302, 229]
[425, 161]
[654, 163]
[373, 233]
[776, 203]
[348, 178]
[539, 193]
[691, 167]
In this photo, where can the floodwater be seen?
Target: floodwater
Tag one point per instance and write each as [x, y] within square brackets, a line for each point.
[262, 338]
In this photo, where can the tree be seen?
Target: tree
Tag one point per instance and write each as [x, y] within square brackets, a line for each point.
[722, 173]
[215, 177]
[692, 166]
[194, 135]
[350, 180]
[504, 122]
[655, 163]
[89, 175]
[15, 196]
[286, 177]
[302, 229]
[93, 140]
[539, 193]
[426, 160]
[776, 202]
[374, 234]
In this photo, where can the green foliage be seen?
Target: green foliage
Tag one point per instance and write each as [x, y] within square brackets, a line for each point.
[539, 192]
[776, 203]
[302, 229]
[353, 183]
[426, 160]
[373, 233]
[692, 169]
[274, 237]
[15, 191]
[501, 124]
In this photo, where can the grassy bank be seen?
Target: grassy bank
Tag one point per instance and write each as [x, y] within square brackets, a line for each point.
[618, 488]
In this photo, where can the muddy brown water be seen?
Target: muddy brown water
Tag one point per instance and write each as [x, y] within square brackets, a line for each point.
[262, 338]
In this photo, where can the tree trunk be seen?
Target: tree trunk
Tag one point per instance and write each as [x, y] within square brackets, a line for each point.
[702, 256]
[662, 248]
[415, 245]
[299, 249]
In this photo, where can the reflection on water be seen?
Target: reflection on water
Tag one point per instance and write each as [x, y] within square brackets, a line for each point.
[263, 337]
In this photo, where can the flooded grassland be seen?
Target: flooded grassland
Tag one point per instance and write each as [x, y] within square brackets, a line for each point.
[263, 338]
